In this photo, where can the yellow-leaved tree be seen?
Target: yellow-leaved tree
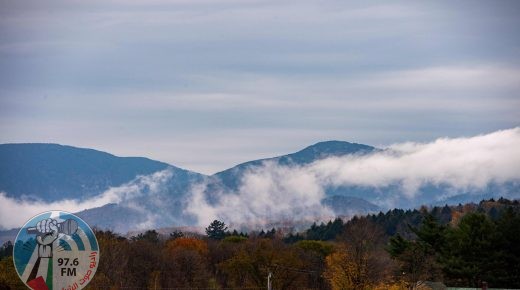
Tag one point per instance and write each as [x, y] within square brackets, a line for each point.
[359, 261]
[340, 270]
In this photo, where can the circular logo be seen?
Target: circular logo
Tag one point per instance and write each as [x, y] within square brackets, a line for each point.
[56, 250]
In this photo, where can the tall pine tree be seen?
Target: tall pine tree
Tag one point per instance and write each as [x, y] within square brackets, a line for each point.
[216, 230]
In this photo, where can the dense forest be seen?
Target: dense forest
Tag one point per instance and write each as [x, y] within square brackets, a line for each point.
[465, 245]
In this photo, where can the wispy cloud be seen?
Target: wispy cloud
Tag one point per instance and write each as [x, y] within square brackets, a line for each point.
[15, 212]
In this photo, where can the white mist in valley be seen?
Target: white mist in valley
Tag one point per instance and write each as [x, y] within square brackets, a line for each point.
[266, 194]
[15, 212]
[273, 192]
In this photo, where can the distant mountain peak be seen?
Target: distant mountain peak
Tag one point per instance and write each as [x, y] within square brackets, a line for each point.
[329, 148]
[338, 143]
[231, 177]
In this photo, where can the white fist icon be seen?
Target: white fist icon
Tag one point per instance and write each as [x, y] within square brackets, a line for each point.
[49, 233]
[47, 226]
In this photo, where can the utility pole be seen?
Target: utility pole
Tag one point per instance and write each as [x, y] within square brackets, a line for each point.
[269, 286]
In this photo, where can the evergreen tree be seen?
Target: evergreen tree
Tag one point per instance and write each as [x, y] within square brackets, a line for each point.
[493, 213]
[431, 232]
[509, 226]
[471, 252]
[270, 234]
[445, 215]
[292, 238]
[216, 230]
[6, 250]
[149, 236]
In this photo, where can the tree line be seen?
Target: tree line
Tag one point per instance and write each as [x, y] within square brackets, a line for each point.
[462, 245]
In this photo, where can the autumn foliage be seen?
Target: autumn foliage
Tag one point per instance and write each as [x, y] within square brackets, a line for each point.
[462, 245]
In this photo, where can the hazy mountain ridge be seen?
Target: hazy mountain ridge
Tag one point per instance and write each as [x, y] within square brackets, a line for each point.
[228, 182]
[66, 172]
[145, 193]
[51, 172]
[349, 206]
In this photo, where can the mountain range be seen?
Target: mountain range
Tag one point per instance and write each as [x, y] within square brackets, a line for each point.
[144, 193]
[52, 172]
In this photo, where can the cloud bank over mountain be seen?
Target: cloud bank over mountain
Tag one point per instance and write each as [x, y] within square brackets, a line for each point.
[278, 192]
[272, 191]
[462, 163]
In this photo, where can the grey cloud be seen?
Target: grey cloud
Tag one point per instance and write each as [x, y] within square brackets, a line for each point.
[105, 74]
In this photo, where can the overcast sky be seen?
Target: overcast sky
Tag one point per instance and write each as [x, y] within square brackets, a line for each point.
[206, 84]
